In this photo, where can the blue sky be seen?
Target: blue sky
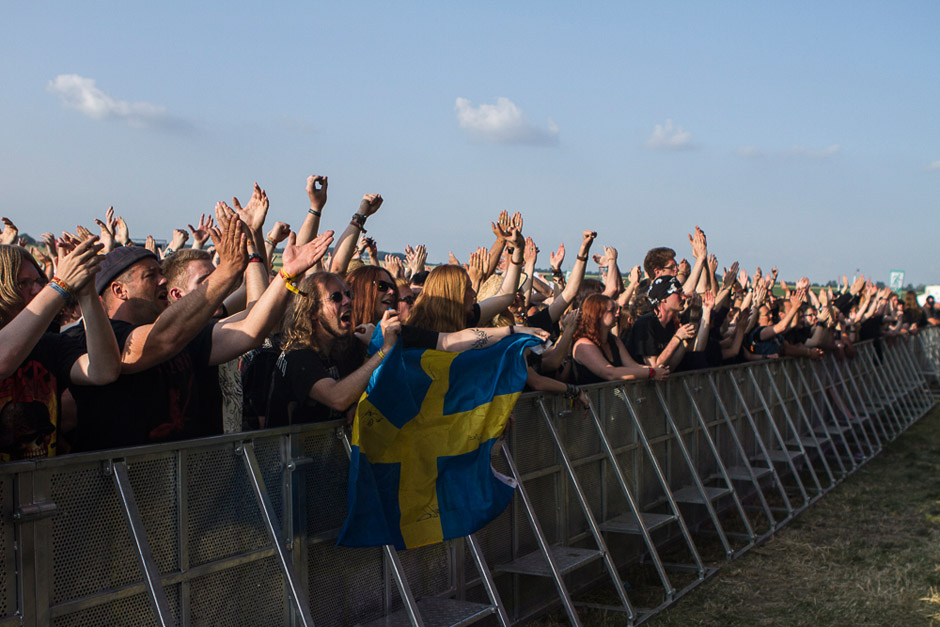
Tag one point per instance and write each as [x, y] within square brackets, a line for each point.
[804, 135]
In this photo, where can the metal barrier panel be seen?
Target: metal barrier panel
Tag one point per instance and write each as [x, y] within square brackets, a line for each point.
[68, 555]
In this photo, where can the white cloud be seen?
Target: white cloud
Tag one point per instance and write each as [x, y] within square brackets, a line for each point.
[669, 136]
[502, 123]
[933, 166]
[803, 151]
[80, 93]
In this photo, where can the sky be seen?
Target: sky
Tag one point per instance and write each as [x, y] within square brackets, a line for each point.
[802, 135]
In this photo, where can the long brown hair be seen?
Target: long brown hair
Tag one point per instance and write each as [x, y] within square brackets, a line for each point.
[910, 304]
[440, 306]
[12, 259]
[302, 318]
[592, 310]
[362, 282]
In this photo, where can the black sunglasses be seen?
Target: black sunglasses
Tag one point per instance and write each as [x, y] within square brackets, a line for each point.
[384, 286]
[337, 297]
[407, 299]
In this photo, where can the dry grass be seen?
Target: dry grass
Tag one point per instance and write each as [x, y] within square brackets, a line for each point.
[868, 553]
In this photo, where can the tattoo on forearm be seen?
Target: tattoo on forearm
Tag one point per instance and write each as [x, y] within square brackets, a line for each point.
[482, 339]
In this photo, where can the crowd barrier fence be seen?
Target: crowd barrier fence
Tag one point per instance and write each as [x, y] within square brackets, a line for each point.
[647, 492]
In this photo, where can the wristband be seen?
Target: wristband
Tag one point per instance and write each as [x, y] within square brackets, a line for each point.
[314, 212]
[580, 258]
[571, 391]
[254, 258]
[61, 291]
[652, 372]
[359, 221]
[381, 353]
[512, 329]
[270, 241]
[289, 283]
[168, 251]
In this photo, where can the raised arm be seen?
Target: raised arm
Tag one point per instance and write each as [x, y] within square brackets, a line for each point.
[237, 335]
[316, 192]
[507, 291]
[700, 251]
[346, 245]
[570, 291]
[152, 344]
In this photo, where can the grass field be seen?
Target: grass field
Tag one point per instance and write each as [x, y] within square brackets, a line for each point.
[868, 553]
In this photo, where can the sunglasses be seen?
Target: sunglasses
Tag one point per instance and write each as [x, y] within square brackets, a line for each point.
[384, 286]
[337, 297]
[407, 299]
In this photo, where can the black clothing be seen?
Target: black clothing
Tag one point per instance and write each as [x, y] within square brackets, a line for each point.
[648, 337]
[583, 375]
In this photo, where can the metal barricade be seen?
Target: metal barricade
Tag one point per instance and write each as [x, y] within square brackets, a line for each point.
[241, 529]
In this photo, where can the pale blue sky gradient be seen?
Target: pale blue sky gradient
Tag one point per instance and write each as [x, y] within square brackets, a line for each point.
[803, 134]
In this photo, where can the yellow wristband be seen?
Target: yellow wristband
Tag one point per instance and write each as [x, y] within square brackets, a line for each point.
[289, 283]
[381, 353]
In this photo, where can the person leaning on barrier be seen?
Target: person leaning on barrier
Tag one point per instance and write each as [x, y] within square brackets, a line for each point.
[158, 396]
[36, 366]
[599, 355]
[320, 375]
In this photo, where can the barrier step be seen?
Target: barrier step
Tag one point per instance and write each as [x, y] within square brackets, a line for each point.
[806, 441]
[627, 523]
[778, 455]
[833, 430]
[691, 494]
[740, 473]
[567, 558]
[438, 612]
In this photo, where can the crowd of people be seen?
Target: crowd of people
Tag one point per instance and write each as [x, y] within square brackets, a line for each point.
[104, 343]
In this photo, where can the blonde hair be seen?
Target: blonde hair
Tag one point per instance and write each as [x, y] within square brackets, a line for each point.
[441, 305]
[11, 260]
[301, 319]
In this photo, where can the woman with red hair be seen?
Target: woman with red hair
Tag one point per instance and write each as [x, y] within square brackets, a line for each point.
[599, 355]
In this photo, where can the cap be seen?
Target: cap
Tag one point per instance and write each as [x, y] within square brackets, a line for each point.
[662, 287]
[116, 262]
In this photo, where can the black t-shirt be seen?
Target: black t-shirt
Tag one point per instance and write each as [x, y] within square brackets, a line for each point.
[29, 398]
[542, 319]
[648, 337]
[757, 346]
[799, 335]
[473, 318]
[175, 400]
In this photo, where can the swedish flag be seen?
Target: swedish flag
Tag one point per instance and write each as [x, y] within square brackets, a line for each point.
[420, 467]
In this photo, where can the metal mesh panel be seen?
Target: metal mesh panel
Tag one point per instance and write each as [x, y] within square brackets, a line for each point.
[616, 419]
[616, 499]
[326, 480]
[345, 585]
[268, 454]
[579, 435]
[91, 547]
[533, 447]
[223, 512]
[428, 568]
[155, 490]
[589, 476]
[249, 594]
[495, 541]
[134, 611]
[542, 493]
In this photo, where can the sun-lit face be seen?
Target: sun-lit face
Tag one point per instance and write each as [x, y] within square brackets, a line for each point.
[145, 290]
[385, 297]
[335, 317]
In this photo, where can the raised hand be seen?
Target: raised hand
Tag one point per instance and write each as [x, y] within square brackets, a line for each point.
[712, 264]
[278, 232]
[803, 283]
[179, 239]
[393, 265]
[517, 221]
[49, 240]
[316, 191]
[416, 257]
[121, 233]
[452, 259]
[727, 280]
[298, 259]
[685, 268]
[570, 319]
[635, 273]
[708, 300]
[9, 232]
[557, 258]
[107, 231]
[77, 265]
[370, 204]
[151, 245]
[477, 266]
[201, 233]
[254, 213]
[82, 232]
[230, 239]
[699, 245]
[760, 292]
[531, 251]
[391, 327]
[742, 278]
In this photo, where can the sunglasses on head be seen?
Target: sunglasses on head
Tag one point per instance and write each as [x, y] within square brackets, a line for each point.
[337, 297]
[383, 286]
